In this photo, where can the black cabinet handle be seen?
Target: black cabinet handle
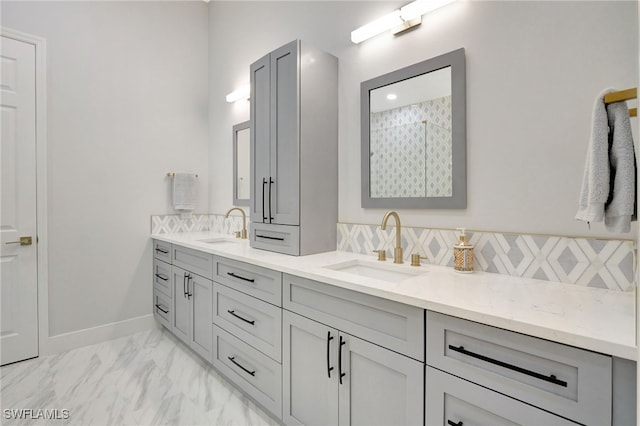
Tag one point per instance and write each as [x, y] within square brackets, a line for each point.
[161, 250]
[270, 183]
[184, 285]
[251, 280]
[158, 306]
[252, 322]
[162, 277]
[329, 339]
[270, 238]
[551, 378]
[450, 423]
[340, 373]
[233, 360]
[264, 182]
[189, 293]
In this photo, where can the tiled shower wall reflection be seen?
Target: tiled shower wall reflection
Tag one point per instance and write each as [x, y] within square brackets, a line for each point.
[588, 262]
[606, 264]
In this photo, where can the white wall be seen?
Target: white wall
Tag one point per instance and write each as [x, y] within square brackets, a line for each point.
[127, 102]
[533, 71]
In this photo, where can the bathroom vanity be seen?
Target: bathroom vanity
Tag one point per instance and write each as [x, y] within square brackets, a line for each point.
[339, 338]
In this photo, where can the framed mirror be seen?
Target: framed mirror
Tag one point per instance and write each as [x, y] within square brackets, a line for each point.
[241, 164]
[414, 136]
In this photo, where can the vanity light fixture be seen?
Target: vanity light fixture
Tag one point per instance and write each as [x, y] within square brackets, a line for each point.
[399, 20]
[243, 92]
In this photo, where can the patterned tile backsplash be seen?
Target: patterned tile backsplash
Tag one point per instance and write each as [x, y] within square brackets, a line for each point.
[608, 264]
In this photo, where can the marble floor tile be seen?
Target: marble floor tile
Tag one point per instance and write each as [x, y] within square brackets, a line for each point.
[148, 378]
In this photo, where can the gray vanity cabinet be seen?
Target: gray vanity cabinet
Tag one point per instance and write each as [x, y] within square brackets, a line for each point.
[331, 377]
[294, 157]
[192, 310]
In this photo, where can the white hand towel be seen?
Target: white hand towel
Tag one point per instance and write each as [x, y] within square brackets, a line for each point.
[595, 182]
[620, 208]
[185, 191]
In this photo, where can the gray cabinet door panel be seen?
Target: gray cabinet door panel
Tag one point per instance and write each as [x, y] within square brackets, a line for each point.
[380, 387]
[285, 133]
[568, 381]
[181, 320]
[393, 325]
[253, 372]
[260, 136]
[201, 300]
[310, 392]
[252, 320]
[454, 401]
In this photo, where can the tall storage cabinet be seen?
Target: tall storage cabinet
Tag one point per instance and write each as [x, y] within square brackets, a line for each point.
[294, 150]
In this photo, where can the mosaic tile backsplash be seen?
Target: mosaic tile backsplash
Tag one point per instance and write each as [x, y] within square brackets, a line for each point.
[608, 264]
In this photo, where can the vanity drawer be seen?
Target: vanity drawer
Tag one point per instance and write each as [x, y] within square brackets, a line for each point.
[390, 324]
[195, 261]
[162, 309]
[162, 251]
[252, 320]
[278, 238]
[265, 284]
[567, 381]
[252, 371]
[453, 401]
[162, 277]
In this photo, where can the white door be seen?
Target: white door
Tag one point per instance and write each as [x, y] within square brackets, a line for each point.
[18, 261]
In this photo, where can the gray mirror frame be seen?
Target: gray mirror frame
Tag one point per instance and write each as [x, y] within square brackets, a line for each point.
[456, 60]
[236, 201]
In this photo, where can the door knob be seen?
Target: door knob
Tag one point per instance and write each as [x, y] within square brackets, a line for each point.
[24, 241]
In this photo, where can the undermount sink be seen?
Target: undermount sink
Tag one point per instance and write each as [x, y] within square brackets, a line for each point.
[219, 240]
[376, 270]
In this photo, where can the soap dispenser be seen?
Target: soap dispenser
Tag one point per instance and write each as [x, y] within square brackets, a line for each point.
[463, 254]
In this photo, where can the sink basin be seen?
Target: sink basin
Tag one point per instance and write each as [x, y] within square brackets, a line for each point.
[377, 270]
[219, 240]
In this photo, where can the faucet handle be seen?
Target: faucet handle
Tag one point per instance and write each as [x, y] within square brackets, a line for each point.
[415, 259]
[237, 233]
[382, 254]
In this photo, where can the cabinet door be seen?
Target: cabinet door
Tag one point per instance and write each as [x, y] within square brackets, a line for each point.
[310, 372]
[181, 326]
[202, 306]
[379, 387]
[285, 150]
[260, 138]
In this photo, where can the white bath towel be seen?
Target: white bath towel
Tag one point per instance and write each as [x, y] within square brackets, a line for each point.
[608, 185]
[620, 208]
[185, 191]
[595, 181]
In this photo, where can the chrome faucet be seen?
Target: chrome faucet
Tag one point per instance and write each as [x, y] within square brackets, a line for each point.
[243, 233]
[397, 252]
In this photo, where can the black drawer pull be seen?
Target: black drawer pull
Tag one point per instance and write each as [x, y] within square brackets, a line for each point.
[233, 360]
[252, 322]
[270, 238]
[551, 378]
[162, 277]
[264, 182]
[159, 307]
[329, 339]
[251, 280]
[450, 423]
[162, 251]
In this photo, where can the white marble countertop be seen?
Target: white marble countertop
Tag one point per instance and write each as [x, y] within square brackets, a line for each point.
[594, 319]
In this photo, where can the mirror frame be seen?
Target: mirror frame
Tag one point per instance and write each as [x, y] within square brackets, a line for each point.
[458, 200]
[237, 128]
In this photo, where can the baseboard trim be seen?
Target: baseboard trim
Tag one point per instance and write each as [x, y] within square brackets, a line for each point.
[89, 336]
